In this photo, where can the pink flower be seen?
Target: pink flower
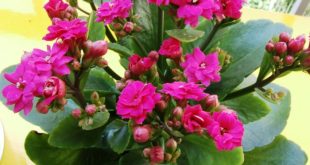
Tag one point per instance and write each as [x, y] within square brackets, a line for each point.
[228, 8]
[171, 48]
[201, 68]
[195, 119]
[183, 91]
[139, 65]
[54, 88]
[96, 49]
[142, 134]
[157, 155]
[68, 31]
[136, 101]
[55, 8]
[227, 130]
[109, 11]
[160, 2]
[52, 61]
[191, 11]
[20, 92]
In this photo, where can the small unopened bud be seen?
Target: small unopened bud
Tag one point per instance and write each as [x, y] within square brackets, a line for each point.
[177, 124]
[295, 46]
[176, 155]
[95, 97]
[285, 37]
[161, 105]
[302, 39]
[137, 29]
[270, 47]
[127, 74]
[171, 145]
[62, 101]
[178, 113]
[280, 48]
[117, 26]
[89, 121]
[76, 65]
[305, 62]
[170, 123]
[120, 85]
[289, 60]
[102, 63]
[168, 157]
[42, 107]
[91, 109]
[142, 134]
[96, 49]
[128, 27]
[121, 33]
[153, 55]
[276, 59]
[76, 113]
[146, 152]
[157, 155]
[212, 101]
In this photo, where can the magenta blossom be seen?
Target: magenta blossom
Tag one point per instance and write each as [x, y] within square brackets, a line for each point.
[109, 11]
[160, 2]
[20, 92]
[226, 130]
[55, 8]
[139, 65]
[195, 119]
[68, 31]
[183, 91]
[199, 67]
[136, 101]
[171, 48]
[228, 8]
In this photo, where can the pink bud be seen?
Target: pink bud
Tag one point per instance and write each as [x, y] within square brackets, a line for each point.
[117, 26]
[171, 145]
[280, 48]
[139, 65]
[270, 47]
[295, 46]
[212, 101]
[127, 74]
[285, 37]
[146, 152]
[76, 65]
[302, 39]
[153, 55]
[54, 87]
[91, 109]
[102, 63]
[289, 60]
[157, 154]
[161, 105]
[178, 112]
[276, 59]
[142, 134]
[42, 107]
[96, 49]
[76, 113]
[306, 62]
[128, 27]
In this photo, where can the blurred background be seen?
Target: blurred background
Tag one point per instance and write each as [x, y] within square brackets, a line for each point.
[24, 22]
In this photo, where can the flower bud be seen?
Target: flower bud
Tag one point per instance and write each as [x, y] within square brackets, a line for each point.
[91, 109]
[280, 48]
[62, 101]
[146, 152]
[302, 39]
[102, 63]
[76, 65]
[161, 105]
[121, 33]
[289, 60]
[153, 55]
[96, 49]
[305, 62]
[95, 97]
[157, 154]
[42, 107]
[285, 37]
[117, 26]
[142, 134]
[54, 87]
[137, 29]
[120, 85]
[76, 113]
[212, 101]
[171, 145]
[178, 113]
[168, 157]
[176, 155]
[270, 47]
[127, 74]
[139, 65]
[128, 27]
[276, 59]
[295, 46]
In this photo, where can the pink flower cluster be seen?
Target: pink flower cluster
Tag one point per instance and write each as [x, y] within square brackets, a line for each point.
[108, 11]
[136, 101]
[223, 126]
[184, 91]
[191, 10]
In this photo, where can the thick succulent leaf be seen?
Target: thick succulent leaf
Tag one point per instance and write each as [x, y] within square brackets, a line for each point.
[118, 135]
[245, 42]
[280, 151]
[198, 150]
[133, 157]
[69, 135]
[96, 30]
[41, 153]
[263, 131]
[99, 120]
[249, 107]
[185, 35]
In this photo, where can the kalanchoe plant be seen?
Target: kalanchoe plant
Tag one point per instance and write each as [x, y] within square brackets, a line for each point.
[181, 99]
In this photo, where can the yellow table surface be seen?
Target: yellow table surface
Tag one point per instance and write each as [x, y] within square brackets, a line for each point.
[24, 22]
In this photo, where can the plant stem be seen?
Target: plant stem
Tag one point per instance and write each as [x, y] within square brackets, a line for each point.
[112, 73]
[206, 43]
[140, 45]
[110, 34]
[76, 93]
[92, 5]
[82, 10]
[260, 84]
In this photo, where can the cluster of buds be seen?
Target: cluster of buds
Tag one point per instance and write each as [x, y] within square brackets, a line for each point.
[60, 10]
[167, 154]
[124, 29]
[286, 50]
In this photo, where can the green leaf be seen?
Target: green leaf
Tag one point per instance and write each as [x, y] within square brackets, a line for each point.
[198, 150]
[280, 151]
[185, 35]
[265, 66]
[99, 120]
[124, 52]
[41, 153]
[69, 135]
[96, 30]
[118, 135]
[264, 130]
[133, 157]
[249, 107]
[245, 42]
